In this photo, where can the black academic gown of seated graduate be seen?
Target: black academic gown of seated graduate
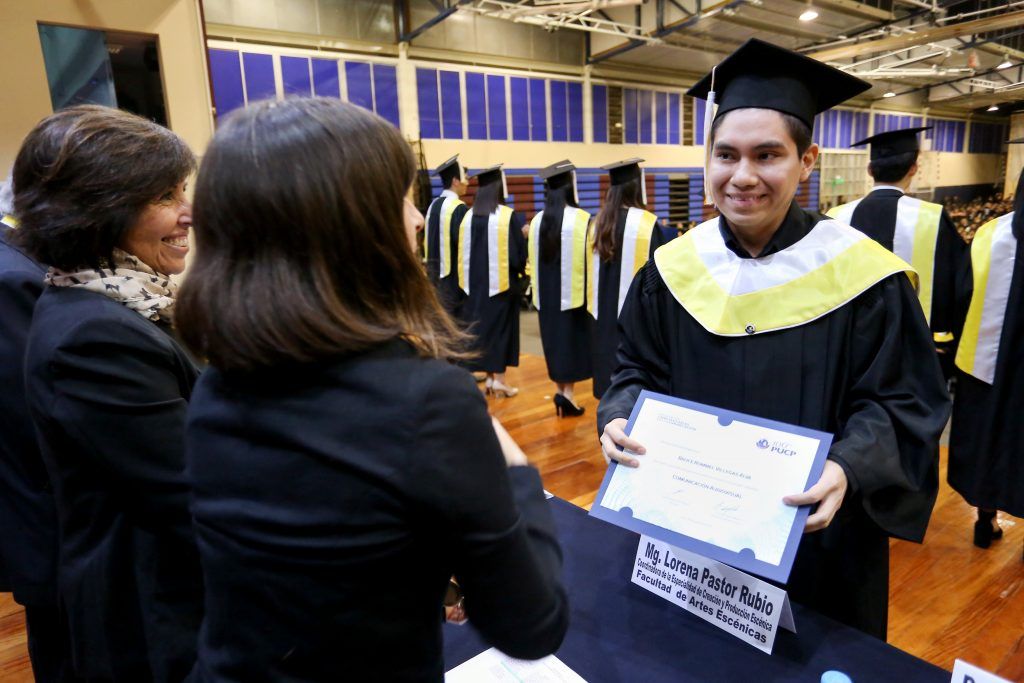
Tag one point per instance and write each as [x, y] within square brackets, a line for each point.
[875, 216]
[986, 445]
[606, 328]
[447, 287]
[494, 320]
[865, 372]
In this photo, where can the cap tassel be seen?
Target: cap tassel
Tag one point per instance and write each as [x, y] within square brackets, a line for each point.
[709, 116]
[504, 186]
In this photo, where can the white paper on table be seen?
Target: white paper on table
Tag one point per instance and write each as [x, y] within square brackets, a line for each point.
[494, 665]
[721, 484]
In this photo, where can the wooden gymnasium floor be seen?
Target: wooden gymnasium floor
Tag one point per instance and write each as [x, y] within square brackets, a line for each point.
[947, 598]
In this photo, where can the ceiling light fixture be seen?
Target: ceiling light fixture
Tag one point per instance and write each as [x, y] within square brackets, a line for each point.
[890, 93]
[809, 14]
[994, 107]
[1006, 63]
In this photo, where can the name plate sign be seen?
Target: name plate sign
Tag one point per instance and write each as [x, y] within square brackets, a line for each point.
[746, 607]
[968, 673]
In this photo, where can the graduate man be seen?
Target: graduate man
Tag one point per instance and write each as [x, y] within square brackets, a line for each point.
[440, 240]
[986, 445]
[778, 312]
[919, 232]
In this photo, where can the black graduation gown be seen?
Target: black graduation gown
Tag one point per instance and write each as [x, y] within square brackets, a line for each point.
[451, 297]
[605, 340]
[865, 373]
[564, 335]
[875, 216]
[986, 444]
[494, 320]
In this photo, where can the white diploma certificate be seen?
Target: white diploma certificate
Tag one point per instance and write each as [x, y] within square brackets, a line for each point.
[712, 481]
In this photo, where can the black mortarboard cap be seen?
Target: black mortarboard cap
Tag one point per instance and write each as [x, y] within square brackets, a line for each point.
[621, 172]
[765, 76]
[489, 176]
[893, 142]
[560, 174]
[449, 170]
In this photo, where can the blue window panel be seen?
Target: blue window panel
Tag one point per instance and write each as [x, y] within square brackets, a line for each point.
[559, 112]
[646, 99]
[673, 119]
[451, 105]
[599, 94]
[295, 76]
[259, 76]
[698, 121]
[961, 129]
[538, 110]
[520, 108]
[865, 125]
[476, 106]
[496, 109]
[575, 112]
[816, 131]
[426, 97]
[661, 118]
[385, 93]
[226, 76]
[325, 78]
[629, 123]
[360, 88]
[830, 129]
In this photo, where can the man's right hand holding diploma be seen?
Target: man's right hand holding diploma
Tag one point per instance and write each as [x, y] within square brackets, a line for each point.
[614, 439]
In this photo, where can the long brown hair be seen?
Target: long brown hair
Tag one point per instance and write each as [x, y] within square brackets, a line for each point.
[301, 247]
[608, 240]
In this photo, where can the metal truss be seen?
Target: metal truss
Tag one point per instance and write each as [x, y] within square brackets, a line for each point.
[557, 14]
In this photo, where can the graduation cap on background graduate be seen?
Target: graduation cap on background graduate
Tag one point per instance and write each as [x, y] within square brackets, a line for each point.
[1018, 197]
[893, 142]
[622, 172]
[449, 170]
[560, 174]
[764, 76]
[489, 176]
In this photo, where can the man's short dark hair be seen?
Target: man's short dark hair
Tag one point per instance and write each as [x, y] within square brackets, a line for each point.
[799, 131]
[82, 177]
[892, 169]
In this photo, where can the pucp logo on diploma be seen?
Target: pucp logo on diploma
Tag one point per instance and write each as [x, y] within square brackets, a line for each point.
[712, 482]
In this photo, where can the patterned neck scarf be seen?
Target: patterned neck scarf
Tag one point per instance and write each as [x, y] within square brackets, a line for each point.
[130, 282]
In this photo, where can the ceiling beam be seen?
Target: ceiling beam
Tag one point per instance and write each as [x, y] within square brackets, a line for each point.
[853, 8]
[925, 35]
[769, 27]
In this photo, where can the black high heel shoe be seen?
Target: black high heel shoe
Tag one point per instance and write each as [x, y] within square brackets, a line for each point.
[566, 408]
[984, 534]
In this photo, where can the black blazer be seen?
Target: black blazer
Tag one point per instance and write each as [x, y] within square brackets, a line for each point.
[332, 503]
[28, 542]
[107, 390]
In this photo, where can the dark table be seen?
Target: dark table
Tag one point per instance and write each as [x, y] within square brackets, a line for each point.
[620, 632]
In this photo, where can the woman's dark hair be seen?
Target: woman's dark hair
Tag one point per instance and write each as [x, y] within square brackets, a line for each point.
[487, 198]
[799, 131]
[83, 176]
[555, 201]
[608, 240]
[301, 247]
[892, 169]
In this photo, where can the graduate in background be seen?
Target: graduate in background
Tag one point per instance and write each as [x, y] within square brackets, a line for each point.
[441, 237]
[491, 259]
[558, 244]
[986, 445]
[778, 312]
[623, 232]
[919, 232]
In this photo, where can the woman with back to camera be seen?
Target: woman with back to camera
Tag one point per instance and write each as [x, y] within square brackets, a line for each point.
[491, 258]
[624, 232]
[558, 243]
[343, 470]
[100, 197]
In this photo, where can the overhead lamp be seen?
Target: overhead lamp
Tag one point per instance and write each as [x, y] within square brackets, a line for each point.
[809, 14]
[994, 107]
[889, 93]
[1006, 63]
